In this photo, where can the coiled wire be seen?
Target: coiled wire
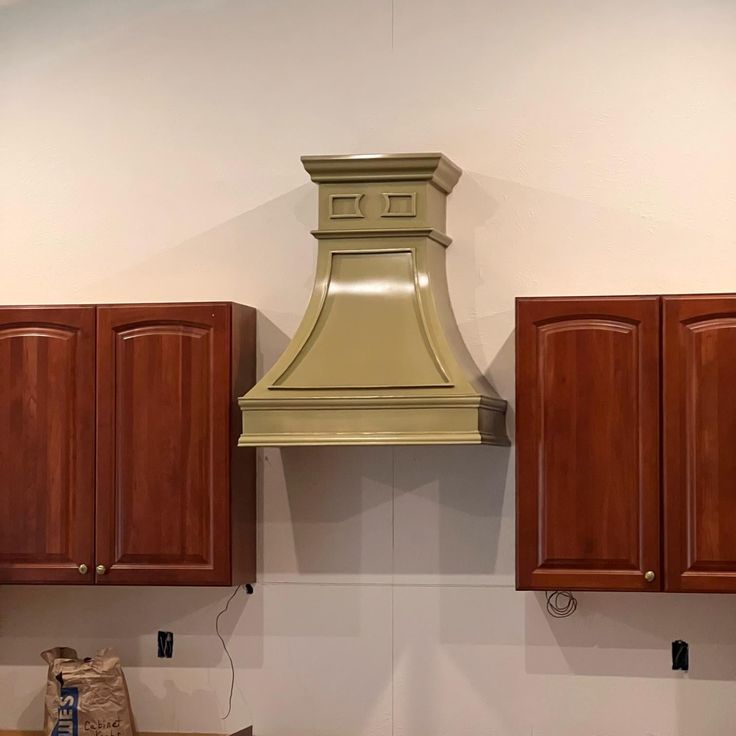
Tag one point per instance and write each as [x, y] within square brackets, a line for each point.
[561, 603]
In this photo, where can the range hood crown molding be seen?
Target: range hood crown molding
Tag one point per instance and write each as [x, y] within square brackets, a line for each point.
[433, 167]
[378, 357]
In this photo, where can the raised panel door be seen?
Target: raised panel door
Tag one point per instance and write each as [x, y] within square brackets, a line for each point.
[47, 398]
[588, 498]
[163, 488]
[699, 438]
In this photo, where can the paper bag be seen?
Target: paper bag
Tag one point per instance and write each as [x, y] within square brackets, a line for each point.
[86, 697]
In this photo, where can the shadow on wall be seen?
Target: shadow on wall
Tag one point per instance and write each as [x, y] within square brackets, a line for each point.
[380, 511]
[629, 634]
[450, 510]
[173, 701]
[32, 715]
[473, 263]
[335, 494]
[501, 372]
[88, 618]
[271, 342]
[376, 511]
[244, 259]
[534, 241]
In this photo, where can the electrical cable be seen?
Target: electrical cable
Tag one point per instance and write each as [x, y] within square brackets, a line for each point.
[224, 646]
[561, 603]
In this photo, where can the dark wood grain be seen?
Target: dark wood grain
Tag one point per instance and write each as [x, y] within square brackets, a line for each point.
[165, 445]
[242, 459]
[588, 496]
[699, 439]
[47, 397]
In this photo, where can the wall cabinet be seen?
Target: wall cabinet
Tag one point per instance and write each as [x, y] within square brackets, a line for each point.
[626, 416]
[118, 433]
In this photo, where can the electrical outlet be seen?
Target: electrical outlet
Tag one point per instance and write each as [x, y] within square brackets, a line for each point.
[680, 655]
[165, 644]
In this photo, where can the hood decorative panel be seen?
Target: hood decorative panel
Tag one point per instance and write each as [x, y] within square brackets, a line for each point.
[378, 358]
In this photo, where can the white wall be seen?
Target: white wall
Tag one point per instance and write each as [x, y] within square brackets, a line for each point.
[149, 150]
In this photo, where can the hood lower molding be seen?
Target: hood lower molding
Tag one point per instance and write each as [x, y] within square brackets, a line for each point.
[378, 358]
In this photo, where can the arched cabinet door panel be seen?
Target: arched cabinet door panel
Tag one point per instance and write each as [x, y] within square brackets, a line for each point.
[587, 435]
[170, 480]
[700, 443]
[47, 446]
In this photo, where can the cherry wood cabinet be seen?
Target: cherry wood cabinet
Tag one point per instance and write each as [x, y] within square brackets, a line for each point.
[699, 412]
[119, 426]
[168, 466]
[626, 424]
[47, 443]
[588, 443]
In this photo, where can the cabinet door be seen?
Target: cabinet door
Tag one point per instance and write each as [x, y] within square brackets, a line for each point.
[587, 435]
[163, 497]
[699, 443]
[47, 398]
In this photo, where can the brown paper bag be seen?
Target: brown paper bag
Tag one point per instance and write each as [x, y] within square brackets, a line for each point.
[86, 697]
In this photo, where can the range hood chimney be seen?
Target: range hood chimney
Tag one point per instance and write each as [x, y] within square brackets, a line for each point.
[378, 358]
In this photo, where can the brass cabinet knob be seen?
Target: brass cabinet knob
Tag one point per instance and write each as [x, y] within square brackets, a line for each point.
[649, 576]
[83, 569]
[101, 569]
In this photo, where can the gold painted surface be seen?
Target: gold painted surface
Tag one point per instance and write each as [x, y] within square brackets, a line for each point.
[378, 357]
[371, 294]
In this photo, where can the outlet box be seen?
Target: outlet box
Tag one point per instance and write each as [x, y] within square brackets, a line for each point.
[165, 644]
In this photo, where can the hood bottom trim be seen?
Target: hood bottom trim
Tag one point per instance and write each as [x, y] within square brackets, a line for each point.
[454, 423]
[309, 440]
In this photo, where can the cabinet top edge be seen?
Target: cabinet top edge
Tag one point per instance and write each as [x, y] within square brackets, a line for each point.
[587, 297]
[125, 305]
[621, 297]
[694, 297]
[47, 306]
[133, 305]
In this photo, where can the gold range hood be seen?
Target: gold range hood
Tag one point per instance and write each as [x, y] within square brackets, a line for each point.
[378, 358]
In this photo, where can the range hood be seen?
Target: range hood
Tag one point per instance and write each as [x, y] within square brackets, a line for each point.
[378, 358]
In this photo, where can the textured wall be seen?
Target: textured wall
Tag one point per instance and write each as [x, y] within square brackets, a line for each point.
[149, 150]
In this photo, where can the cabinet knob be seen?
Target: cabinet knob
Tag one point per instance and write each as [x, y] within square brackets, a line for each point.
[649, 576]
[101, 569]
[83, 569]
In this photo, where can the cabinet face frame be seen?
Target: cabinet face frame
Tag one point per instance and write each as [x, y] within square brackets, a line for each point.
[612, 325]
[49, 393]
[699, 458]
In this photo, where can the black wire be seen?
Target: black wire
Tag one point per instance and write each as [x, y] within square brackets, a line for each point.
[224, 646]
[561, 603]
